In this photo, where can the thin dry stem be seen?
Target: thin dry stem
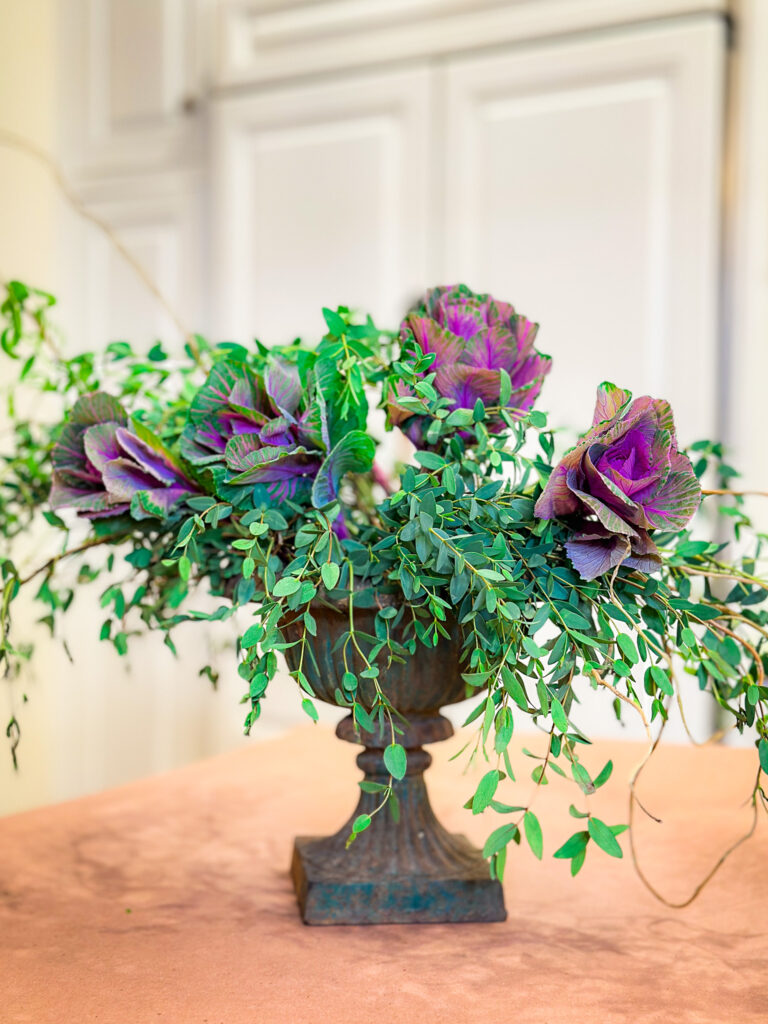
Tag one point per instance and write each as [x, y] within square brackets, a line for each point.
[17, 142]
[623, 697]
[735, 494]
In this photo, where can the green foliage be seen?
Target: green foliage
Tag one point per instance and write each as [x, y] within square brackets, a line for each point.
[455, 546]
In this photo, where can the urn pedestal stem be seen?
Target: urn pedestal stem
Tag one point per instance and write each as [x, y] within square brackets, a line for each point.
[407, 871]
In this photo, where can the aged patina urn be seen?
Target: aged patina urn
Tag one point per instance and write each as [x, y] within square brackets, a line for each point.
[407, 871]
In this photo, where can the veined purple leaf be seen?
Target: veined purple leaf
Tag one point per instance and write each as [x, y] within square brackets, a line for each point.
[229, 423]
[268, 465]
[217, 392]
[158, 502]
[277, 432]
[530, 373]
[494, 349]
[465, 384]
[353, 454]
[666, 420]
[289, 488]
[112, 510]
[150, 452]
[593, 554]
[673, 505]
[430, 337]
[98, 407]
[462, 320]
[605, 515]
[595, 550]
[69, 460]
[62, 496]
[556, 499]
[100, 442]
[248, 399]
[644, 555]
[123, 478]
[309, 428]
[525, 332]
[610, 401]
[240, 451]
[283, 387]
[202, 446]
[496, 310]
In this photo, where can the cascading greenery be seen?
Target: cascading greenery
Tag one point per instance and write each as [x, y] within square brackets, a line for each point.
[251, 472]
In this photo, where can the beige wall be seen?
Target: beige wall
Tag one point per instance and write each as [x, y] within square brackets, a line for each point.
[28, 251]
[27, 192]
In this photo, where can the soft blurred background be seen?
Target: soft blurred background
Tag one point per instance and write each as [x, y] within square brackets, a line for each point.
[601, 164]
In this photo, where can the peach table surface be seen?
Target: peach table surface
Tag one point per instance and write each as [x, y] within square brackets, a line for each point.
[168, 900]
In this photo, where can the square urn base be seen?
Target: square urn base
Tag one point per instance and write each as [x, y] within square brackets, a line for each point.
[457, 893]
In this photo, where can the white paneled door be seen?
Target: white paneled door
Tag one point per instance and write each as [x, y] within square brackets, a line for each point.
[582, 182]
[130, 69]
[321, 195]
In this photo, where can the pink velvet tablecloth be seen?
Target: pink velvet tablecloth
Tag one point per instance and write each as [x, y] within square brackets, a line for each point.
[169, 900]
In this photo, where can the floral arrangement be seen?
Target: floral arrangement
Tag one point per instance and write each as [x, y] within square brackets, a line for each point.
[252, 472]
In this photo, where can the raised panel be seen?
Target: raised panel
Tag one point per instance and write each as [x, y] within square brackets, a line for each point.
[130, 68]
[260, 40]
[146, 90]
[582, 181]
[321, 198]
[159, 225]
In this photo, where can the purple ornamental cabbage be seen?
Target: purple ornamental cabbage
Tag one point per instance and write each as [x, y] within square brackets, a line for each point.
[473, 337]
[102, 467]
[255, 431]
[624, 478]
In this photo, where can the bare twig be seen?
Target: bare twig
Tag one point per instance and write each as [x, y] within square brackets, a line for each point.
[92, 543]
[735, 494]
[623, 697]
[17, 142]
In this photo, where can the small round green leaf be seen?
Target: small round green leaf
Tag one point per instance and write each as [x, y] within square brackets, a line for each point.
[330, 572]
[252, 635]
[286, 586]
[309, 708]
[395, 760]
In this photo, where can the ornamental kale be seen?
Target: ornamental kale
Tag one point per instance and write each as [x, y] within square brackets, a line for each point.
[481, 350]
[624, 478]
[102, 468]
